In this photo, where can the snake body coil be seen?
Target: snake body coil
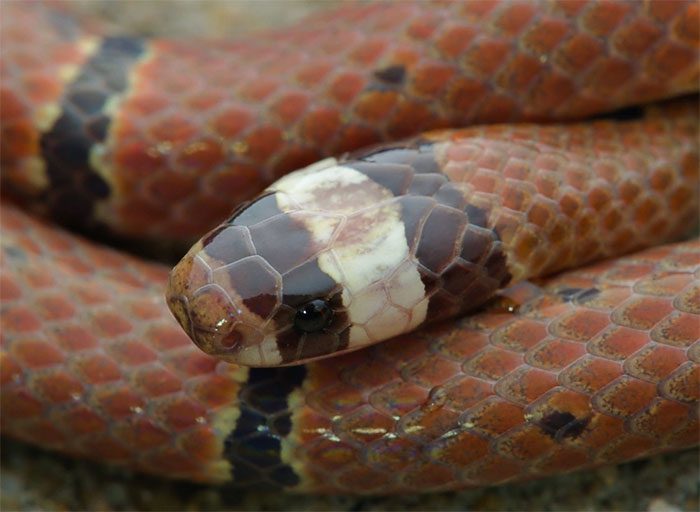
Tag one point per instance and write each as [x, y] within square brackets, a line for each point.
[157, 138]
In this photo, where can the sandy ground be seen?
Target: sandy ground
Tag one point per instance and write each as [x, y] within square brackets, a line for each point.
[32, 479]
[36, 480]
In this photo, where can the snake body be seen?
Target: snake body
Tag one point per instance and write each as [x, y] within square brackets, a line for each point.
[387, 240]
[596, 365]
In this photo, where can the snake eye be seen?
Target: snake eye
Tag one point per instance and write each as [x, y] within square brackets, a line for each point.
[313, 316]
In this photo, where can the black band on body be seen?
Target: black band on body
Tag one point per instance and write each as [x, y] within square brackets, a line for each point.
[74, 186]
[254, 446]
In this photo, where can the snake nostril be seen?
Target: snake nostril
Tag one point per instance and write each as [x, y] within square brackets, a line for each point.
[232, 339]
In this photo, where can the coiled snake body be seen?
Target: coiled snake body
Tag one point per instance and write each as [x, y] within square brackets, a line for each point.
[595, 365]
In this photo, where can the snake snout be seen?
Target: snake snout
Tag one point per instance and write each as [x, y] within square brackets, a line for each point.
[212, 315]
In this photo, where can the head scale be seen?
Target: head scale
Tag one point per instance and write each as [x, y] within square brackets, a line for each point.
[333, 258]
[316, 265]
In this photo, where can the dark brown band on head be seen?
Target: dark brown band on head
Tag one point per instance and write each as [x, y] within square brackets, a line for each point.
[228, 243]
[256, 284]
[295, 346]
[393, 177]
[74, 186]
[439, 242]
[263, 230]
[460, 256]
[418, 153]
[301, 285]
[265, 208]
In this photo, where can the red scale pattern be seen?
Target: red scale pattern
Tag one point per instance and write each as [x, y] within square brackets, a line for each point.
[206, 125]
[478, 403]
[512, 392]
[92, 363]
[563, 196]
[33, 65]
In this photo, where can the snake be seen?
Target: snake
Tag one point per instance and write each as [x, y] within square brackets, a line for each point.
[479, 275]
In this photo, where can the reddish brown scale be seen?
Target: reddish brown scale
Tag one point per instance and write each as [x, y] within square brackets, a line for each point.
[559, 197]
[513, 392]
[391, 71]
[479, 423]
[33, 65]
[95, 345]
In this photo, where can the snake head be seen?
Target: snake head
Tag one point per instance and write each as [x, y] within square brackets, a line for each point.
[299, 273]
[327, 260]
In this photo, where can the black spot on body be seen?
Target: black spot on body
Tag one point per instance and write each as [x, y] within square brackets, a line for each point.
[393, 75]
[560, 425]
[633, 113]
[588, 295]
[15, 253]
[580, 295]
[568, 294]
